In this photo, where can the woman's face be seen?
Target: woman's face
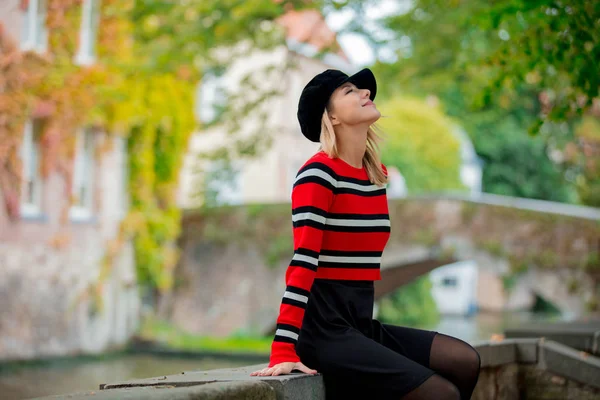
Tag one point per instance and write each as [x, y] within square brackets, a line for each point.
[350, 105]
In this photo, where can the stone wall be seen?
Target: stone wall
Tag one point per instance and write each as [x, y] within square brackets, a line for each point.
[528, 369]
[231, 274]
[49, 268]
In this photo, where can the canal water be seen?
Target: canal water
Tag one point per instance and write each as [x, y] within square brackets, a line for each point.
[78, 375]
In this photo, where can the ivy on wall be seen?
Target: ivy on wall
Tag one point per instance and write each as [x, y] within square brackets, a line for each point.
[119, 94]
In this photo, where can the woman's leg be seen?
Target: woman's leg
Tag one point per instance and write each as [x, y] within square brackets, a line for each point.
[357, 367]
[456, 361]
[448, 357]
[434, 388]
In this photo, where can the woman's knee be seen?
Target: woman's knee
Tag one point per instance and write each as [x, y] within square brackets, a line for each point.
[471, 359]
[466, 357]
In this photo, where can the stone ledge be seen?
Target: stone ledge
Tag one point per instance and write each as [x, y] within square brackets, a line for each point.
[584, 336]
[295, 386]
[241, 390]
[236, 383]
[494, 354]
[569, 363]
[546, 355]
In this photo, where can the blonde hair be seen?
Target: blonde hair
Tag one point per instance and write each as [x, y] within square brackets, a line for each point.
[371, 159]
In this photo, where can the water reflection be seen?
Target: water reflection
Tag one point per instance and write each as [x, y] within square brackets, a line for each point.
[482, 326]
[76, 376]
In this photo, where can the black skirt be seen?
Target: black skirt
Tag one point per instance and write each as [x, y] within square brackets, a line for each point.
[358, 356]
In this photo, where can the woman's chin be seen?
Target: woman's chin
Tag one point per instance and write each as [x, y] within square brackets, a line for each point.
[374, 116]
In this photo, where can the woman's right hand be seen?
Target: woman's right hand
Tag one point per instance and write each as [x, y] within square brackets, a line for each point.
[283, 368]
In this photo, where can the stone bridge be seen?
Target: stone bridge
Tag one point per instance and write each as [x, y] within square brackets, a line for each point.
[231, 274]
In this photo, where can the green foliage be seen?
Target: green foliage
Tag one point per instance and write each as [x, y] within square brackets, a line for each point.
[582, 157]
[280, 248]
[494, 47]
[509, 281]
[169, 335]
[516, 164]
[458, 55]
[153, 107]
[187, 32]
[493, 247]
[411, 305]
[420, 143]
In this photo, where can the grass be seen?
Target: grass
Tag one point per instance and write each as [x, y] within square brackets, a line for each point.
[169, 335]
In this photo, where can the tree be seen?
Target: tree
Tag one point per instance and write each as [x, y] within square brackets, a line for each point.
[582, 156]
[553, 45]
[419, 142]
[446, 58]
[411, 305]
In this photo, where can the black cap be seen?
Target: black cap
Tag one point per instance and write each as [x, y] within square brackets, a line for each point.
[317, 92]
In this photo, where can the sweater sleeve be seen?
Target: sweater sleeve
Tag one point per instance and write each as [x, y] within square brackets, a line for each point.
[312, 196]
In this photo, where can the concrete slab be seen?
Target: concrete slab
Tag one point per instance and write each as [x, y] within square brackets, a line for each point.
[295, 386]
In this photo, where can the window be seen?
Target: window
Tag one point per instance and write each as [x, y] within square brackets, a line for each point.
[212, 97]
[222, 183]
[90, 18]
[31, 186]
[34, 34]
[449, 281]
[83, 176]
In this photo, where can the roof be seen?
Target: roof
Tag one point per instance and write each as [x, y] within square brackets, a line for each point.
[309, 27]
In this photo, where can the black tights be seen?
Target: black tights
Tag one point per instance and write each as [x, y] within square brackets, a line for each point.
[456, 364]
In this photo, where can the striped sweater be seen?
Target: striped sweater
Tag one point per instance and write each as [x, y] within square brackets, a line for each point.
[341, 226]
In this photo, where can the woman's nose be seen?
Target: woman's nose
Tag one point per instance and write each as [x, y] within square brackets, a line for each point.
[367, 92]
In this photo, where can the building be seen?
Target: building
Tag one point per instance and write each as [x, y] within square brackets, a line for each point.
[268, 178]
[50, 260]
[455, 288]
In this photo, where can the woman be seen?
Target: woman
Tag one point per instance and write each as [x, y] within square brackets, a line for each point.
[341, 226]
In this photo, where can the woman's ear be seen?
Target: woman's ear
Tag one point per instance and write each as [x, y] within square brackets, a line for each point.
[334, 119]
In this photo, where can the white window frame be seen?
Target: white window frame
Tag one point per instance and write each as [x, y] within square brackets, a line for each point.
[35, 32]
[90, 19]
[450, 282]
[125, 199]
[30, 157]
[83, 176]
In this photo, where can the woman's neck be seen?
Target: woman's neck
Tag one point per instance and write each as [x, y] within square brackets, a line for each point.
[352, 144]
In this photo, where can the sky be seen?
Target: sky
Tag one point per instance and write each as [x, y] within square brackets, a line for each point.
[357, 48]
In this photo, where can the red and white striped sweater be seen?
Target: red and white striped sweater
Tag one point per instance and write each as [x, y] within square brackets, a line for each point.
[341, 226]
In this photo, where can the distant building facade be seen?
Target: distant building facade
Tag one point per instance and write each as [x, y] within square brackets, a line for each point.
[269, 177]
[48, 260]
